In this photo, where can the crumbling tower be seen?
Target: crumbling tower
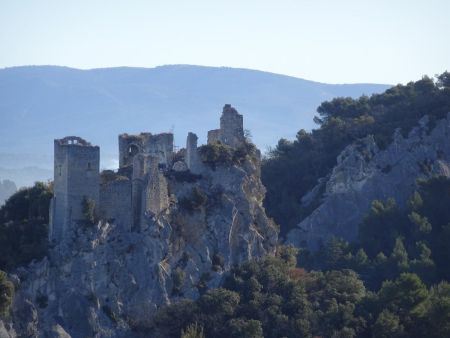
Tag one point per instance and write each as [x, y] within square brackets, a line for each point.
[159, 145]
[231, 130]
[192, 156]
[76, 177]
[149, 189]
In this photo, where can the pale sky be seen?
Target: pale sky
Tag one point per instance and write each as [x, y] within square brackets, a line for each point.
[334, 41]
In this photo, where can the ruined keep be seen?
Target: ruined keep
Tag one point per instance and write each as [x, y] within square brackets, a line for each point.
[160, 145]
[231, 130]
[76, 178]
[161, 215]
[138, 189]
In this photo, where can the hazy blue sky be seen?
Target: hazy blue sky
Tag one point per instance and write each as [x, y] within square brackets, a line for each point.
[330, 41]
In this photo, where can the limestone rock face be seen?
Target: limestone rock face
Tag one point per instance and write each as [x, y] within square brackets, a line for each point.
[107, 281]
[364, 173]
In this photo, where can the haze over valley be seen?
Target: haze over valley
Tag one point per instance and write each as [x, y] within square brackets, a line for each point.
[42, 103]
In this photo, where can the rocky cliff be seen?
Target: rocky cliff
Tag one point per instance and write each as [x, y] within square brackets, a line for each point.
[107, 282]
[364, 173]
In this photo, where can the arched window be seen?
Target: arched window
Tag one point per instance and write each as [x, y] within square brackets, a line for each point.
[133, 150]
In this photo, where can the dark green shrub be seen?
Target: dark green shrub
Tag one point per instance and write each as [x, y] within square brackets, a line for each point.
[6, 294]
[194, 201]
[216, 154]
[178, 277]
[24, 226]
[89, 211]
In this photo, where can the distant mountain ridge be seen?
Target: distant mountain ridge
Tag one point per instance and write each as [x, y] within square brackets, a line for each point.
[41, 103]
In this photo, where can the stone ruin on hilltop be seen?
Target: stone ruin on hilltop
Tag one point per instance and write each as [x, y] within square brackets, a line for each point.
[138, 189]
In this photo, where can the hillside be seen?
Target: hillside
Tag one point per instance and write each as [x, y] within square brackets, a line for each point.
[40, 103]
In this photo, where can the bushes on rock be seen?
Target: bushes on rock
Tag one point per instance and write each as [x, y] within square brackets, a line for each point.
[6, 294]
[194, 201]
[24, 226]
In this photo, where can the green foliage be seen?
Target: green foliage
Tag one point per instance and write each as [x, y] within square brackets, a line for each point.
[388, 325]
[24, 226]
[28, 204]
[435, 312]
[110, 313]
[178, 280]
[380, 228]
[218, 154]
[193, 331]
[217, 262]
[89, 211]
[6, 294]
[246, 328]
[292, 169]
[272, 298]
[194, 201]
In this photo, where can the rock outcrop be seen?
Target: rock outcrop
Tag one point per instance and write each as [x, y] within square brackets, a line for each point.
[107, 281]
[364, 173]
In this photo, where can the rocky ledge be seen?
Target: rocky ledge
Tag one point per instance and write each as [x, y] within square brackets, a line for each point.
[364, 173]
[108, 282]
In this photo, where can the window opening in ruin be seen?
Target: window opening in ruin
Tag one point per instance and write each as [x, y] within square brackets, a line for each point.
[133, 150]
[89, 166]
[59, 170]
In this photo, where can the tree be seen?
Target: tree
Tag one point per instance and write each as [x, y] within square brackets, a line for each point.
[24, 226]
[439, 310]
[89, 212]
[380, 229]
[403, 296]
[242, 328]
[193, 331]
[6, 294]
[387, 325]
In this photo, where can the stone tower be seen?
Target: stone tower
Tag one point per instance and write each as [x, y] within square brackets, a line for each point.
[159, 145]
[231, 127]
[231, 130]
[149, 189]
[76, 177]
[192, 157]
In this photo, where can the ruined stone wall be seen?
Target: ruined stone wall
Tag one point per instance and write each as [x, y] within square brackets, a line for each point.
[231, 127]
[58, 210]
[192, 156]
[129, 146]
[156, 196]
[231, 130]
[115, 203]
[76, 176]
[160, 145]
[213, 136]
[137, 186]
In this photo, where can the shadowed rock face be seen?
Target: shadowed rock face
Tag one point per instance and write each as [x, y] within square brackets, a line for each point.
[105, 280]
[364, 173]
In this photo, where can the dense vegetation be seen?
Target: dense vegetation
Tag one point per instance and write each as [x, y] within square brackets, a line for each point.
[393, 241]
[217, 154]
[293, 168]
[394, 283]
[6, 294]
[274, 298]
[24, 225]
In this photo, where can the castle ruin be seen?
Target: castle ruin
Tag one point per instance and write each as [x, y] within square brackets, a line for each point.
[138, 189]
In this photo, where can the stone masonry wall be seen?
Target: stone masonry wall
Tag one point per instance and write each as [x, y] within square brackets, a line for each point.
[115, 203]
[76, 177]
